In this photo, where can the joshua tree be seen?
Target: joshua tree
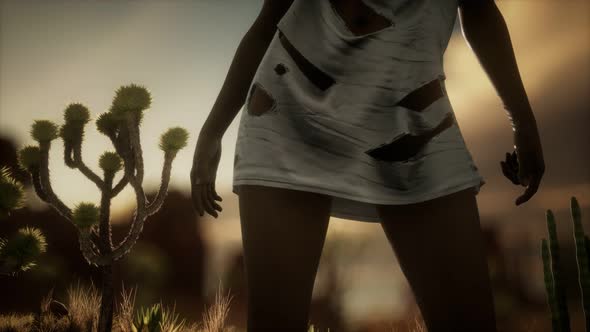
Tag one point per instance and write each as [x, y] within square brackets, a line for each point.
[121, 125]
[19, 252]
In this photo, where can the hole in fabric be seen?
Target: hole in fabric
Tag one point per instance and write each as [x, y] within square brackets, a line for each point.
[315, 75]
[236, 159]
[425, 95]
[280, 69]
[406, 146]
[359, 18]
[260, 101]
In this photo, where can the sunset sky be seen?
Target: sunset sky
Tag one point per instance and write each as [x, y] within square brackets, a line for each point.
[53, 53]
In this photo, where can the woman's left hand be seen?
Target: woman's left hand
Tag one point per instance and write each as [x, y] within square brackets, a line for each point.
[525, 166]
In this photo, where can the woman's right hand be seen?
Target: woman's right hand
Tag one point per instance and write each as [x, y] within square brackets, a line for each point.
[526, 165]
[203, 174]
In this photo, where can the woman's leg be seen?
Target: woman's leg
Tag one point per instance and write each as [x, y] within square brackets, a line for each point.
[283, 234]
[440, 248]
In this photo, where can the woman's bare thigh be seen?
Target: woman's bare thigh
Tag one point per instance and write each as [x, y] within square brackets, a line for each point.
[283, 233]
[440, 247]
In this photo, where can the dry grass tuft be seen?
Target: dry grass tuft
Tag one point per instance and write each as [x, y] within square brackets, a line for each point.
[214, 318]
[16, 322]
[84, 307]
[123, 319]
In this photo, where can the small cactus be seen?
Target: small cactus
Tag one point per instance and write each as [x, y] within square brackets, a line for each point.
[106, 123]
[110, 162]
[72, 132]
[131, 98]
[44, 131]
[77, 113]
[556, 295]
[85, 215]
[148, 320]
[29, 156]
[174, 139]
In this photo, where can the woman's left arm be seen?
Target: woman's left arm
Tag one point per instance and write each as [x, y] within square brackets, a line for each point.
[487, 35]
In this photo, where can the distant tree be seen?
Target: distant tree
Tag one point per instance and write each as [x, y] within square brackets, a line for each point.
[19, 252]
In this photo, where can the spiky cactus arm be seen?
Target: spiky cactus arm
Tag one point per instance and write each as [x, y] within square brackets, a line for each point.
[139, 218]
[157, 203]
[106, 244]
[122, 146]
[108, 161]
[68, 158]
[559, 287]
[139, 214]
[549, 287]
[84, 169]
[117, 140]
[119, 186]
[89, 250]
[76, 117]
[52, 199]
[133, 129]
[171, 142]
[581, 258]
[36, 180]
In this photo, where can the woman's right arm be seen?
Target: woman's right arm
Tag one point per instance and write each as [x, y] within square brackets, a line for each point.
[246, 60]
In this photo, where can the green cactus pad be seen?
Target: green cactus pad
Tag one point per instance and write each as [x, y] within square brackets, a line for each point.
[29, 156]
[44, 131]
[106, 123]
[131, 97]
[110, 162]
[11, 193]
[72, 132]
[23, 247]
[85, 215]
[76, 113]
[173, 139]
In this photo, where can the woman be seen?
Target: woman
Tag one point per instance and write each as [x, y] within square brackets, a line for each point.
[346, 115]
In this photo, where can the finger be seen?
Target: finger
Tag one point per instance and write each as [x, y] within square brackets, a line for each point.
[212, 197]
[205, 200]
[530, 190]
[505, 170]
[515, 156]
[196, 196]
[217, 197]
[211, 200]
[508, 173]
[514, 160]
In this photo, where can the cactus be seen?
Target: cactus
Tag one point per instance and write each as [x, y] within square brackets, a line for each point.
[549, 287]
[19, 252]
[582, 258]
[556, 296]
[148, 320]
[121, 125]
[157, 319]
